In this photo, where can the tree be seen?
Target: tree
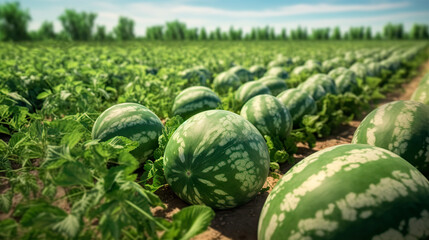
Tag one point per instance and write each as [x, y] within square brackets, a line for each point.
[78, 26]
[13, 22]
[203, 34]
[100, 33]
[46, 31]
[283, 34]
[419, 31]
[175, 30]
[393, 31]
[368, 33]
[336, 35]
[155, 33]
[125, 29]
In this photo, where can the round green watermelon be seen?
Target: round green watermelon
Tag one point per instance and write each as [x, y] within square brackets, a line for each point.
[194, 100]
[337, 72]
[401, 127]
[299, 103]
[216, 158]
[257, 71]
[346, 82]
[277, 72]
[243, 74]
[226, 81]
[351, 191]
[249, 90]
[268, 115]
[359, 69]
[318, 86]
[133, 121]
[275, 84]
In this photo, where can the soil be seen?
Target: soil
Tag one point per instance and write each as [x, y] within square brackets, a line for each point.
[242, 222]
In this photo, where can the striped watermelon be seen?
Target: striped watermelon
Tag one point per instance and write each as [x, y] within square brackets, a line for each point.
[337, 72]
[401, 127]
[249, 90]
[275, 84]
[318, 86]
[359, 69]
[216, 158]
[346, 82]
[225, 81]
[194, 76]
[299, 103]
[133, 121]
[243, 74]
[351, 191]
[257, 71]
[194, 100]
[268, 115]
[277, 72]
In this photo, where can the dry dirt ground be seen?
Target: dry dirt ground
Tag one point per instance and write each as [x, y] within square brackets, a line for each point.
[242, 222]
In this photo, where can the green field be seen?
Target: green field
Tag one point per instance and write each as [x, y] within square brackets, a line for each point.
[58, 182]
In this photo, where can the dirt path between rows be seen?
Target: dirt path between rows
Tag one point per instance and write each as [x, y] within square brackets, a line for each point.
[242, 222]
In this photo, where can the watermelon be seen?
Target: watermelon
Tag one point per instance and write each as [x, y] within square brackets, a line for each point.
[204, 70]
[257, 71]
[275, 84]
[243, 74]
[133, 121]
[351, 191]
[277, 72]
[337, 72]
[297, 61]
[194, 76]
[373, 69]
[346, 82]
[359, 69]
[268, 115]
[301, 70]
[281, 61]
[216, 158]
[194, 100]
[299, 103]
[226, 81]
[249, 90]
[400, 127]
[318, 86]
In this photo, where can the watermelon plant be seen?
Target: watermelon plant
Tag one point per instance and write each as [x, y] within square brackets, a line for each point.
[193, 100]
[299, 103]
[225, 81]
[268, 115]
[400, 127]
[351, 191]
[275, 84]
[249, 90]
[222, 163]
[133, 121]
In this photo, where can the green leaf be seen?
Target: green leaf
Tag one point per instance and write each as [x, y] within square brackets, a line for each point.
[8, 229]
[69, 226]
[189, 222]
[123, 143]
[16, 96]
[71, 139]
[6, 201]
[4, 130]
[74, 173]
[44, 95]
[42, 216]
[56, 156]
[109, 227]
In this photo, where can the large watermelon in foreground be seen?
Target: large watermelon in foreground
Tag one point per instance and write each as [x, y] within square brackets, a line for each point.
[216, 158]
[401, 127]
[133, 121]
[268, 115]
[351, 191]
[193, 100]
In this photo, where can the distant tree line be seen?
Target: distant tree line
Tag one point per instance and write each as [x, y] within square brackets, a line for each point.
[80, 26]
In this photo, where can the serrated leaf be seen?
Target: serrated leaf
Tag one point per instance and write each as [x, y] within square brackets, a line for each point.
[6, 201]
[74, 173]
[69, 226]
[44, 95]
[42, 216]
[56, 156]
[189, 222]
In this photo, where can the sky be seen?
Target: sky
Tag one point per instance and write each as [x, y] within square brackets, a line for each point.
[240, 14]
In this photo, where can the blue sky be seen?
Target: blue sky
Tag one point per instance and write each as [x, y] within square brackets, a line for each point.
[243, 14]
